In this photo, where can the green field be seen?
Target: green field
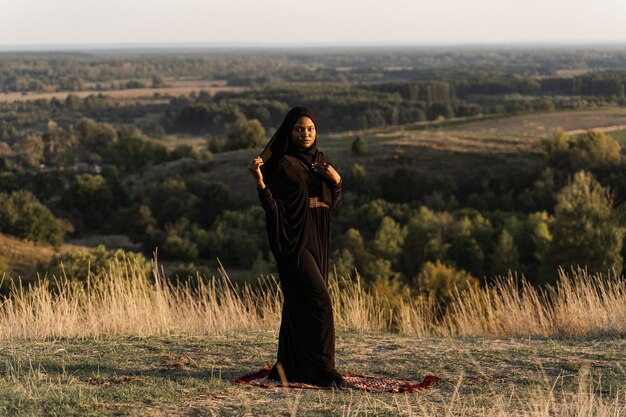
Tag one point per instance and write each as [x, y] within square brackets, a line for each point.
[193, 375]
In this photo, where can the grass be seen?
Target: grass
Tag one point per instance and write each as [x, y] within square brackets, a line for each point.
[619, 136]
[130, 344]
[23, 257]
[544, 124]
[192, 375]
[125, 301]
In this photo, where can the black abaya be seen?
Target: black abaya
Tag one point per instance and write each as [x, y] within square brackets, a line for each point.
[298, 208]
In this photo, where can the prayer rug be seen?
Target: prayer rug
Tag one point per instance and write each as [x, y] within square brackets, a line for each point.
[361, 382]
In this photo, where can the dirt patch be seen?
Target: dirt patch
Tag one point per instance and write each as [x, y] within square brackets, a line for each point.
[115, 380]
[177, 363]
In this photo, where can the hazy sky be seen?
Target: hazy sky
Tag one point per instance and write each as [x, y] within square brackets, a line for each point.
[310, 22]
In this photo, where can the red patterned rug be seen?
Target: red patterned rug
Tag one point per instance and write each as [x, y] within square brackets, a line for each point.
[361, 382]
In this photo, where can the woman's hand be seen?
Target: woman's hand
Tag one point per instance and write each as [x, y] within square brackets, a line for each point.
[255, 169]
[327, 171]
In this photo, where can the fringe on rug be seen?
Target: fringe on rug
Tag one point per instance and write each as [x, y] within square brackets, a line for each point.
[369, 383]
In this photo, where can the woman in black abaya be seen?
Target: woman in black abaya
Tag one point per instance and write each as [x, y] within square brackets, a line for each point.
[299, 190]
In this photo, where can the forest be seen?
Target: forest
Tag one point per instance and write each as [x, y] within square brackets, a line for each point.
[155, 167]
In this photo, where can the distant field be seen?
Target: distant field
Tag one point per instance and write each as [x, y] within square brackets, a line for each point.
[544, 124]
[196, 142]
[619, 135]
[175, 88]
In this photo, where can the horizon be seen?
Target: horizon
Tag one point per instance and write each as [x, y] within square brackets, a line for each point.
[280, 23]
[242, 45]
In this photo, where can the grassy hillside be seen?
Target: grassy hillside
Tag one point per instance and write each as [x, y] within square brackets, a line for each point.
[461, 149]
[22, 257]
[193, 375]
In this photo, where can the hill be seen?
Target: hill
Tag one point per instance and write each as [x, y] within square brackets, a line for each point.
[462, 149]
[22, 258]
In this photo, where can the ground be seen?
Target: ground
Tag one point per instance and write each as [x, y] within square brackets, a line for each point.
[193, 375]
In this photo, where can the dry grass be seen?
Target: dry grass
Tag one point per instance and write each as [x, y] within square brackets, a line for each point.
[23, 257]
[579, 306]
[127, 302]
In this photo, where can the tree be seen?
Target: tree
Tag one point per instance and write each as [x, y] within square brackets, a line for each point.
[22, 215]
[505, 256]
[92, 197]
[30, 149]
[359, 147]
[389, 239]
[95, 137]
[587, 151]
[427, 239]
[586, 230]
[245, 134]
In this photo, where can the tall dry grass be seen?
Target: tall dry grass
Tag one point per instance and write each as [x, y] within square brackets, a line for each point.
[126, 300]
[579, 305]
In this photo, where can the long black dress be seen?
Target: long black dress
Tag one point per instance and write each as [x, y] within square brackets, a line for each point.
[298, 228]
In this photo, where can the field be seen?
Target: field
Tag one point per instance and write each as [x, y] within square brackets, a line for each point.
[544, 124]
[173, 88]
[180, 375]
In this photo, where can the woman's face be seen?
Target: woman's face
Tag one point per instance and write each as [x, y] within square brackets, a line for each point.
[303, 133]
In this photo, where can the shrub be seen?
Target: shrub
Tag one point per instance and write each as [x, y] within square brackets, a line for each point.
[179, 248]
[443, 281]
[587, 151]
[243, 135]
[22, 215]
[78, 265]
[359, 147]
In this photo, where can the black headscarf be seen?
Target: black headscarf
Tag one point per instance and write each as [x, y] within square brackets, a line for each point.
[281, 144]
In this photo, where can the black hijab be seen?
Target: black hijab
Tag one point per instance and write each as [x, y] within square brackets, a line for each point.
[281, 144]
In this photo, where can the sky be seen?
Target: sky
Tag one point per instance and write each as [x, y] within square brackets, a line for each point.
[320, 22]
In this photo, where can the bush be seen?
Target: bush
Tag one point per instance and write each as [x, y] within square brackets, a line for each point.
[22, 215]
[443, 281]
[92, 197]
[179, 248]
[243, 135]
[78, 265]
[587, 151]
[236, 237]
[359, 147]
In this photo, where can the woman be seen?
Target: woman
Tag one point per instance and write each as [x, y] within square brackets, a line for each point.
[299, 190]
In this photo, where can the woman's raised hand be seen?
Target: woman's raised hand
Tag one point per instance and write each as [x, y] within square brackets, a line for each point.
[327, 171]
[255, 169]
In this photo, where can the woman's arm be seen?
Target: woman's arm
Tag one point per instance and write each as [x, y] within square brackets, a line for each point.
[333, 179]
[255, 169]
[265, 195]
[335, 191]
